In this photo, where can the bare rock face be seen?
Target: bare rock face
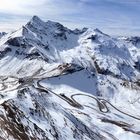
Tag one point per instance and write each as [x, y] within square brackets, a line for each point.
[62, 84]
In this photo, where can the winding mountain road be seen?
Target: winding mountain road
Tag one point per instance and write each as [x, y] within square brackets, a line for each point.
[102, 103]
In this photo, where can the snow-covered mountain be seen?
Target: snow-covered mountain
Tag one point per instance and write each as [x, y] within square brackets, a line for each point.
[62, 84]
[2, 34]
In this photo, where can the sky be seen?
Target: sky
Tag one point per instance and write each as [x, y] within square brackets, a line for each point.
[115, 17]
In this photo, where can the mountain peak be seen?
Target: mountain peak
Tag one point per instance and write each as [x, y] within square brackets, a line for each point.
[36, 22]
[98, 31]
[36, 19]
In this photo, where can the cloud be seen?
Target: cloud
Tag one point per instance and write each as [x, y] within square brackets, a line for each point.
[104, 14]
[125, 1]
[21, 7]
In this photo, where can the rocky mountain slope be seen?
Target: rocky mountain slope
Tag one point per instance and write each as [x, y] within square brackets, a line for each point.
[62, 84]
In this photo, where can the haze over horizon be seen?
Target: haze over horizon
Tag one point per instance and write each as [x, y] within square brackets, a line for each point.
[119, 17]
